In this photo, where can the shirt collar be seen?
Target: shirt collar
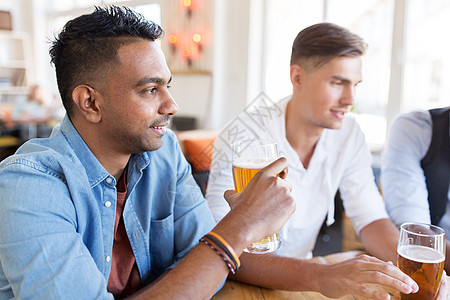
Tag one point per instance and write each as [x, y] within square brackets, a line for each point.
[94, 169]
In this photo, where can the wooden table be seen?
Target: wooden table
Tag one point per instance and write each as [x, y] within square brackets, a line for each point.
[242, 291]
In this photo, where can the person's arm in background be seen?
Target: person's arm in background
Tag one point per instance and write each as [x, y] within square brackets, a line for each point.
[380, 239]
[349, 277]
[402, 178]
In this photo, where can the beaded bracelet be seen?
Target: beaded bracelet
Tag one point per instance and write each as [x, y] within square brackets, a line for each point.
[232, 270]
[214, 241]
[223, 244]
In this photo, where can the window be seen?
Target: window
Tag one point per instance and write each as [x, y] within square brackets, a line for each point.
[372, 20]
[427, 64]
[150, 11]
[282, 27]
[424, 79]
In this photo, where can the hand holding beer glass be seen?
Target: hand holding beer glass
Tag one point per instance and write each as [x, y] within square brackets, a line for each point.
[248, 159]
[421, 256]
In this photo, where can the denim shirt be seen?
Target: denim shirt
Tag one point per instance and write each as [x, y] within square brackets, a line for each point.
[57, 211]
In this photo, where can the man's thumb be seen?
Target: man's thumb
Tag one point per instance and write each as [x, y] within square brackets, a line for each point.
[228, 195]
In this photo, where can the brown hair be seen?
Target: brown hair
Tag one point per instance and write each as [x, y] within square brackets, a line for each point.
[316, 45]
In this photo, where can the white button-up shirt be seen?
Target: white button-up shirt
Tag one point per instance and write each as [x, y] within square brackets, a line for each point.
[341, 160]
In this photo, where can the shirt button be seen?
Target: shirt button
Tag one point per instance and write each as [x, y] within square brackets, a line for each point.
[108, 258]
[108, 203]
[109, 180]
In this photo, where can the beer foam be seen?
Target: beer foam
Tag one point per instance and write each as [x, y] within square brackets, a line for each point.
[421, 254]
[254, 163]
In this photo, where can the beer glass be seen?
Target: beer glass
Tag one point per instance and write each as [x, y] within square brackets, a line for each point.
[248, 158]
[421, 255]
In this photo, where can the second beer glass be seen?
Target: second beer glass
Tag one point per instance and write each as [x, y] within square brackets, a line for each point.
[421, 255]
[248, 159]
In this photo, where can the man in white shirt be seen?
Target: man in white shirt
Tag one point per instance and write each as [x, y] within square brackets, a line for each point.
[326, 152]
[339, 160]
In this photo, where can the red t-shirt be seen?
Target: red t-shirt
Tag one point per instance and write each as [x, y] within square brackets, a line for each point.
[124, 278]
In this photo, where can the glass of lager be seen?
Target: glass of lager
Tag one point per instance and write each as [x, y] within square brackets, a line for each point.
[421, 255]
[248, 158]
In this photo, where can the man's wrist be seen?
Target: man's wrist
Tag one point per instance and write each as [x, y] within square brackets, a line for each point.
[235, 233]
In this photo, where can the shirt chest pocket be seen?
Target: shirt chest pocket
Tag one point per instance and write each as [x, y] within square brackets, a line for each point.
[162, 250]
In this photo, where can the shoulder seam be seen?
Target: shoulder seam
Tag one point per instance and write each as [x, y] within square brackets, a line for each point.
[25, 162]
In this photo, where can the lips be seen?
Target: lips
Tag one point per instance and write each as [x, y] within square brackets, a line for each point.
[340, 114]
[159, 129]
[160, 123]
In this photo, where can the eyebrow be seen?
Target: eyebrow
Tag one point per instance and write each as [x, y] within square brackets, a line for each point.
[337, 77]
[157, 80]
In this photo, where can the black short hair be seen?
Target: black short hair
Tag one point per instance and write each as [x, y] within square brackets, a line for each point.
[318, 44]
[86, 48]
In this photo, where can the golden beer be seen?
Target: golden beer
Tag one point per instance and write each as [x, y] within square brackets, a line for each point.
[242, 174]
[424, 265]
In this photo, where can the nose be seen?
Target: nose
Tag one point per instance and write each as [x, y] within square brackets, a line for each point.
[348, 97]
[168, 105]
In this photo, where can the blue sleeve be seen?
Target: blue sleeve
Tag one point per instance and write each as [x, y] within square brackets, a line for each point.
[192, 216]
[402, 178]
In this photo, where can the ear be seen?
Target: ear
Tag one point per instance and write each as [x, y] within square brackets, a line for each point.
[296, 75]
[84, 97]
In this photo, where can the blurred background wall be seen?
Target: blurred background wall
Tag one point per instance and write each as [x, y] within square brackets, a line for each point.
[224, 53]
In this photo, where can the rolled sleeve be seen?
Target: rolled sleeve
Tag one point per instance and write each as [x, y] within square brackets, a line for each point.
[402, 177]
[362, 201]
